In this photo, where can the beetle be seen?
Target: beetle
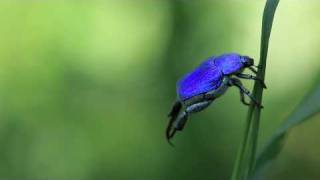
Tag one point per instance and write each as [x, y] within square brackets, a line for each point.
[210, 80]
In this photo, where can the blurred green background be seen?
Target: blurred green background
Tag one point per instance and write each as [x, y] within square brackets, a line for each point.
[85, 87]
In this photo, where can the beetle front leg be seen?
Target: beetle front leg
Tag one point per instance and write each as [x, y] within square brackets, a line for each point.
[249, 76]
[237, 83]
[253, 70]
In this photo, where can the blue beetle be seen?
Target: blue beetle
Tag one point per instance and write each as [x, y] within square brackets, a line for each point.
[199, 88]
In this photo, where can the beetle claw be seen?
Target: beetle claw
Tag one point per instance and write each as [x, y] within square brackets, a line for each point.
[263, 84]
[173, 114]
[170, 134]
[259, 105]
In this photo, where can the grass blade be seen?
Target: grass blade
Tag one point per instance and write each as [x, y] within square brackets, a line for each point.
[254, 111]
[246, 157]
[307, 108]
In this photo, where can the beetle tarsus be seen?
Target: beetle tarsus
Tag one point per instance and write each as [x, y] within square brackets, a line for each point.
[170, 134]
[173, 114]
[251, 77]
[263, 84]
[170, 131]
[256, 103]
[259, 105]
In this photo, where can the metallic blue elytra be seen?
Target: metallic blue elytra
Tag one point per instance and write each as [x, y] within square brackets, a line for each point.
[205, 78]
[199, 88]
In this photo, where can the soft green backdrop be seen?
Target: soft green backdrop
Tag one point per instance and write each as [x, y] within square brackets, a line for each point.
[85, 87]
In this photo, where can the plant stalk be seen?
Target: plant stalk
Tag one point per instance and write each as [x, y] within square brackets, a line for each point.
[246, 157]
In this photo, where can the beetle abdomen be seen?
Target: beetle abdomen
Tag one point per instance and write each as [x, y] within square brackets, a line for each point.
[205, 78]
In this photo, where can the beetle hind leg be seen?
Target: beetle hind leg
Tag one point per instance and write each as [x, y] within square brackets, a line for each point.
[178, 122]
[194, 108]
[178, 126]
[181, 121]
[173, 114]
[175, 109]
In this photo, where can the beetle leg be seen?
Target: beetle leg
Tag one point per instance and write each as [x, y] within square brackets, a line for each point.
[249, 76]
[243, 100]
[180, 121]
[173, 116]
[258, 66]
[194, 108]
[237, 83]
[175, 109]
[253, 70]
[178, 126]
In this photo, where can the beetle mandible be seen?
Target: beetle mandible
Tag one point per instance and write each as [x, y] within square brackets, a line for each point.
[199, 88]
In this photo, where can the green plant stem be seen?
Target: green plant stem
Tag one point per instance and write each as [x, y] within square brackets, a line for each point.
[255, 133]
[241, 152]
[246, 157]
[267, 22]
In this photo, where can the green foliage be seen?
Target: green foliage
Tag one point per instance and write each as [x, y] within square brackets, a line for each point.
[309, 107]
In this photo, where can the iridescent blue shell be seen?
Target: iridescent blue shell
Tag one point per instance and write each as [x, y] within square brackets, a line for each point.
[208, 76]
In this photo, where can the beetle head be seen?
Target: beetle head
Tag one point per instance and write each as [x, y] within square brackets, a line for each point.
[247, 61]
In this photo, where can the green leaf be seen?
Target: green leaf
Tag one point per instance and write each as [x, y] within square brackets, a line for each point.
[309, 106]
[267, 21]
